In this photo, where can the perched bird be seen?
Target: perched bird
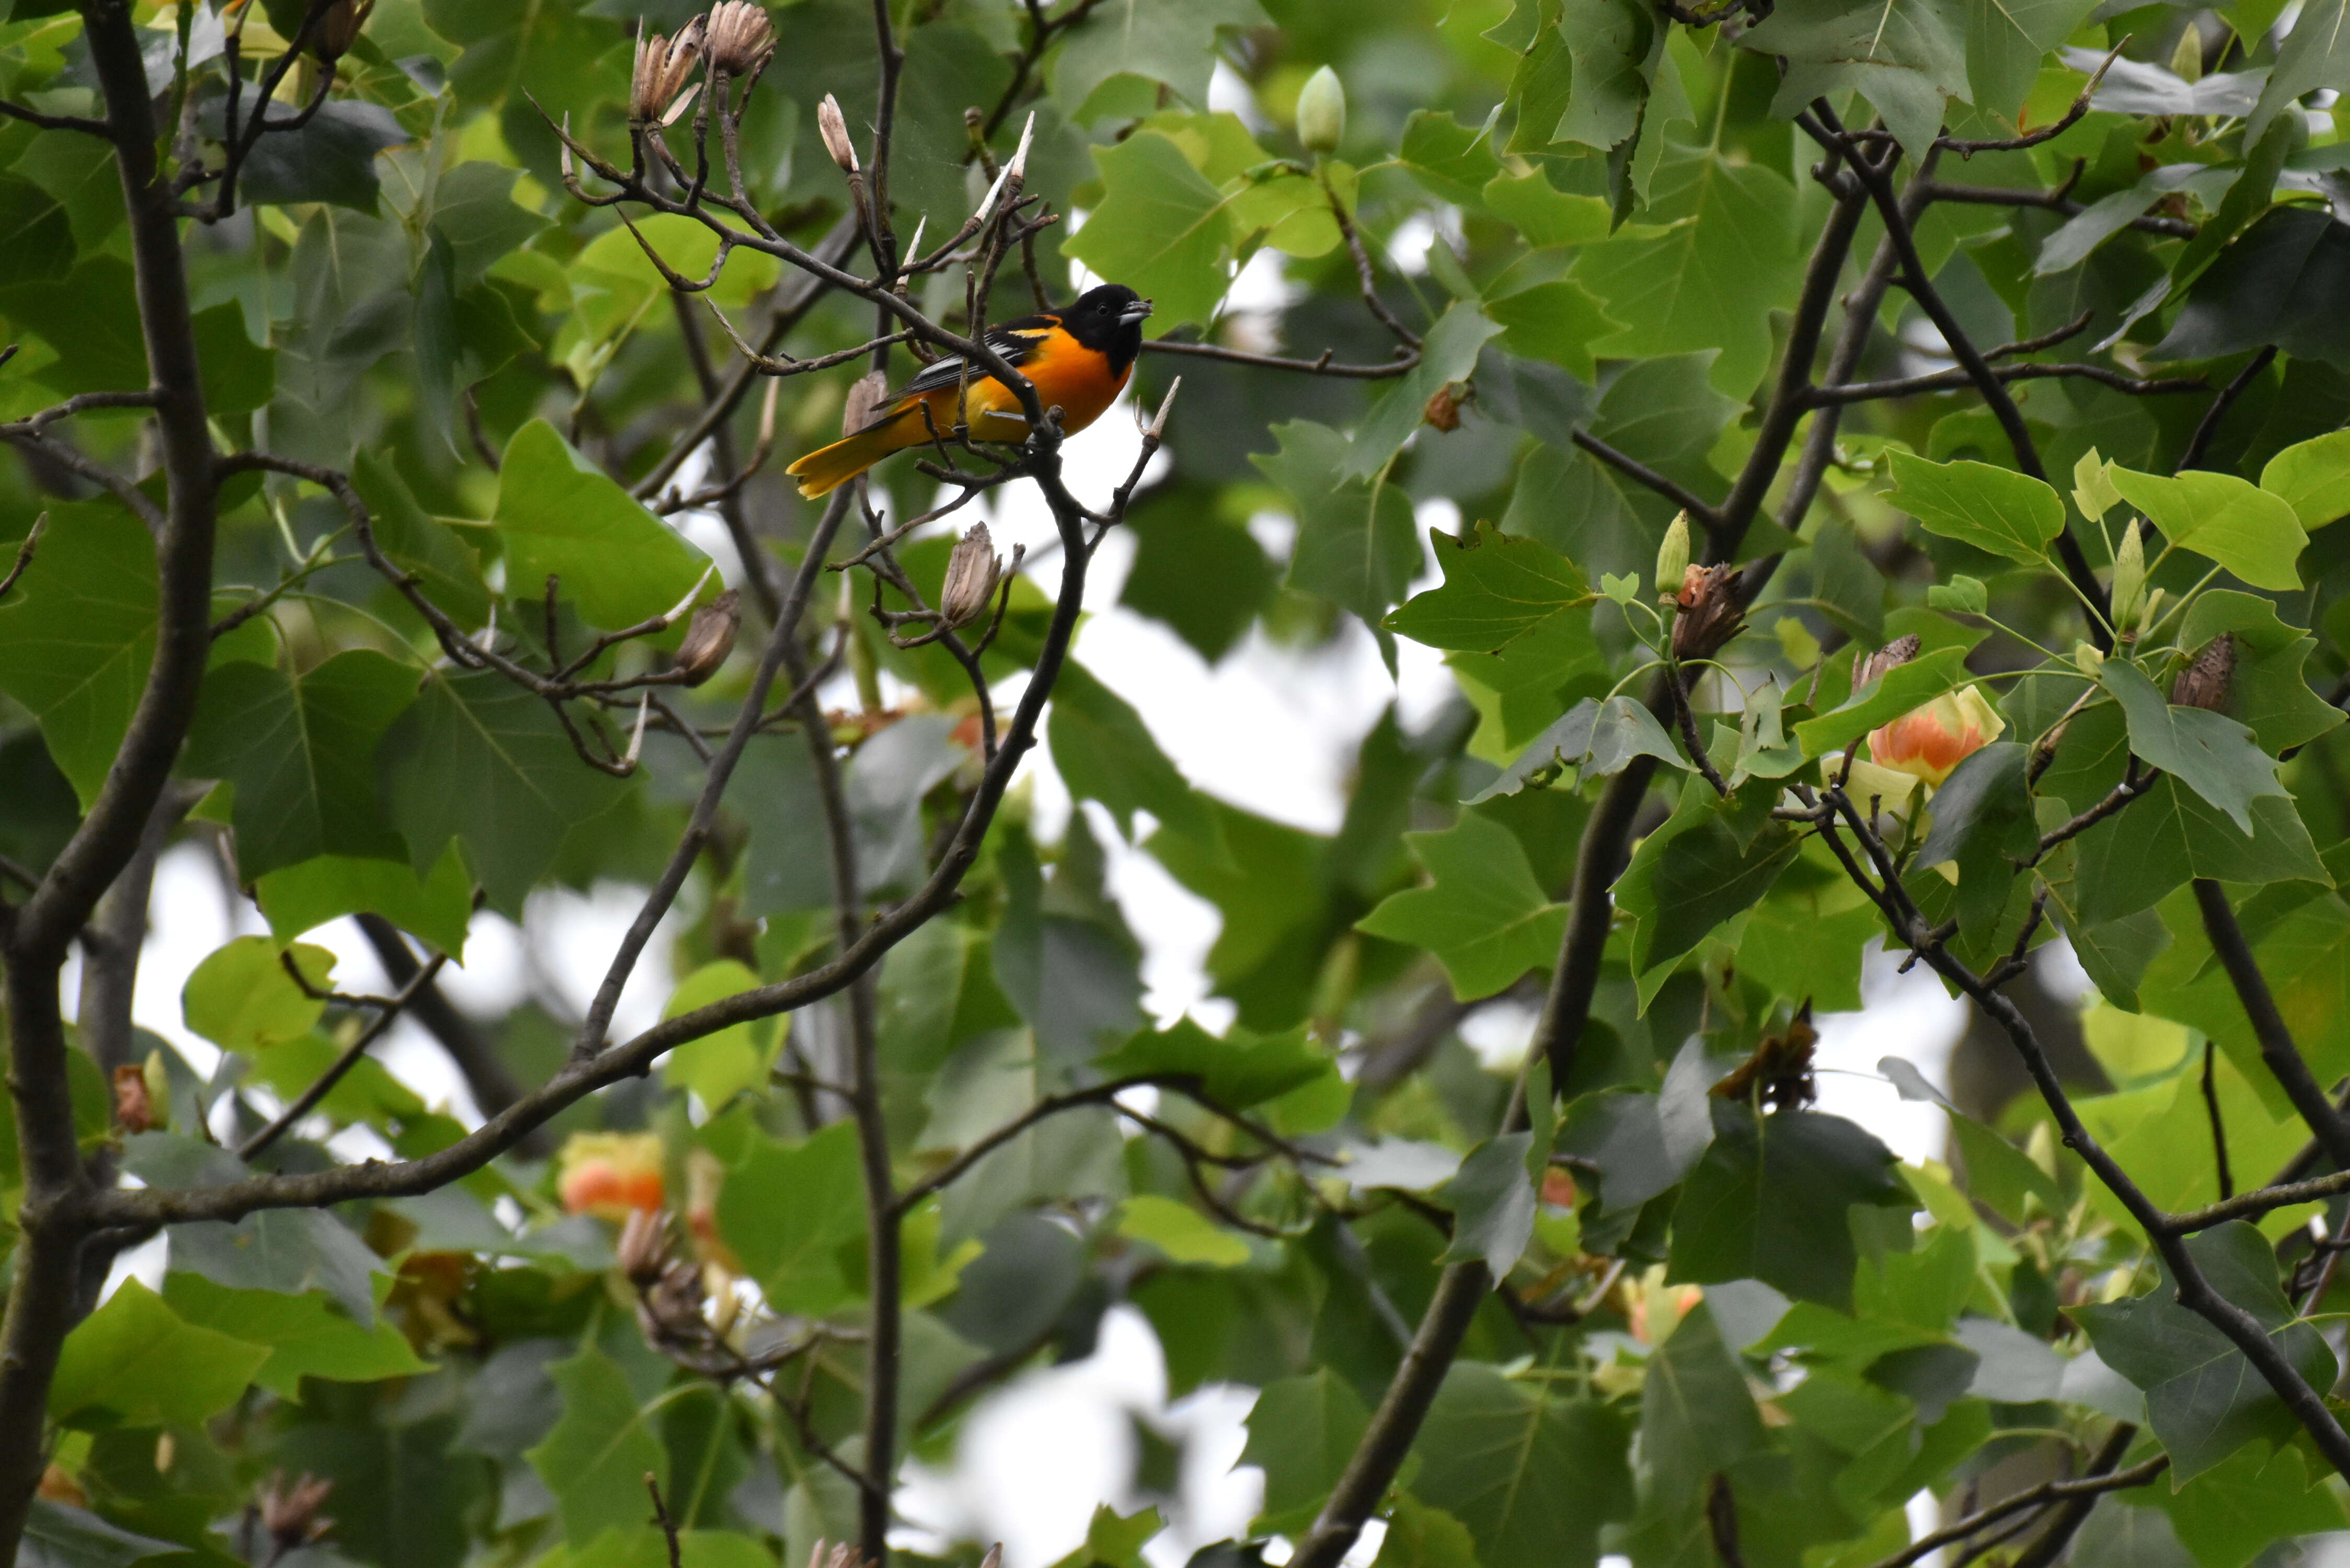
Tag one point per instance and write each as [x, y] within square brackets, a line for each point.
[1078, 360]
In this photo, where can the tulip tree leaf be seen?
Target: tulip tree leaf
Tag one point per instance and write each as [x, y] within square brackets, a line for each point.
[306, 1336]
[1596, 738]
[1497, 588]
[1493, 1204]
[1768, 1202]
[1106, 752]
[2209, 752]
[1161, 230]
[1994, 509]
[596, 1459]
[1241, 1070]
[2228, 520]
[562, 516]
[2204, 1399]
[1302, 1431]
[134, 1362]
[788, 1209]
[1356, 545]
[1483, 916]
[2269, 691]
[78, 634]
[1534, 1474]
[1691, 875]
[2312, 477]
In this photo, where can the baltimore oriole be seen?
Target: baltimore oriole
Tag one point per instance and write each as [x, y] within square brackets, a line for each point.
[1078, 360]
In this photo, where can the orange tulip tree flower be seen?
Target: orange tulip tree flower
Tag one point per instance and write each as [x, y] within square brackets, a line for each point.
[610, 1175]
[1928, 742]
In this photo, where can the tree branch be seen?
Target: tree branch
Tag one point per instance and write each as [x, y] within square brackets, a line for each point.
[2282, 1057]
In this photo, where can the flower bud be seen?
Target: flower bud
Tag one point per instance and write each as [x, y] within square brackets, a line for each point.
[290, 1514]
[609, 1175]
[1322, 112]
[973, 571]
[662, 65]
[833, 125]
[709, 639]
[2129, 576]
[1930, 742]
[134, 1107]
[338, 29]
[1443, 410]
[1710, 614]
[1673, 555]
[643, 1251]
[740, 40]
[1892, 656]
[2205, 682]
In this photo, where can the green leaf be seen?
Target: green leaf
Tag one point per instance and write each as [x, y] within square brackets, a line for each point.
[2228, 520]
[57, 1536]
[1994, 509]
[1596, 739]
[1557, 321]
[1697, 1418]
[1961, 596]
[1983, 821]
[78, 634]
[444, 566]
[2171, 833]
[732, 1061]
[1447, 354]
[1890, 695]
[241, 998]
[1616, 47]
[1694, 873]
[1301, 1432]
[480, 761]
[2209, 752]
[438, 908]
[1534, 1476]
[788, 1209]
[135, 1363]
[1498, 588]
[2278, 284]
[1545, 215]
[301, 755]
[2312, 477]
[1454, 161]
[1175, 45]
[306, 1336]
[1161, 229]
[561, 516]
[1181, 1231]
[2227, 1515]
[1908, 59]
[330, 158]
[2315, 55]
[1712, 280]
[1356, 545]
[1768, 1202]
[2202, 1398]
[1106, 752]
[596, 1459]
[1243, 1070]
[1492, 1203]
[1483, 916]
[1419, 1536]
[2007, 41]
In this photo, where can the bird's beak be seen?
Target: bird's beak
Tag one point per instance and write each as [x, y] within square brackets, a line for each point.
[1139, 310]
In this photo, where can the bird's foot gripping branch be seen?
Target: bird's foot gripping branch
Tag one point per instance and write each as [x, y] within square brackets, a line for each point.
[1835, 555]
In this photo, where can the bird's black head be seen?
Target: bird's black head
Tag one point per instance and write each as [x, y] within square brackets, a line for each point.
[1109, 319]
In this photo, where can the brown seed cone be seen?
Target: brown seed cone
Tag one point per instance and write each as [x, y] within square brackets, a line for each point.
[1709, 614]
[711, 637]
[2205, 682]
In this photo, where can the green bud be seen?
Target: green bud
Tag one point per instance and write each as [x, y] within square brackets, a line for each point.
[2187, 60]
[2093, 486]
[1673, 555]
[1322, 112]
[2129, 576]
[2087, 659]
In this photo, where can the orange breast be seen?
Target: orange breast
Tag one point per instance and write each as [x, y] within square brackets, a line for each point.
[1066, 375]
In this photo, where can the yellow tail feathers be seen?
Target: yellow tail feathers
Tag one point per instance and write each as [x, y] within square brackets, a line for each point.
[828, 467]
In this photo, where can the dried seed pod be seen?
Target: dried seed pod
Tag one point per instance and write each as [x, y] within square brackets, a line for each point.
[833, 125]
[1893, 655]
[972, 573]
[338, 29]
[134, 1107]
[290, 1513]
[711, 637]
[643, 1251]
[1710, 613]
[740, 39]
[864, 393]
[2206, 680]
[659, 77]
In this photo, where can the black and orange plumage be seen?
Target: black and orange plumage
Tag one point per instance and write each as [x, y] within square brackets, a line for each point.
[1078, 360]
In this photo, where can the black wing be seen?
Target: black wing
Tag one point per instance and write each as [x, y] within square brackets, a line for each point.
[1015, 340]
